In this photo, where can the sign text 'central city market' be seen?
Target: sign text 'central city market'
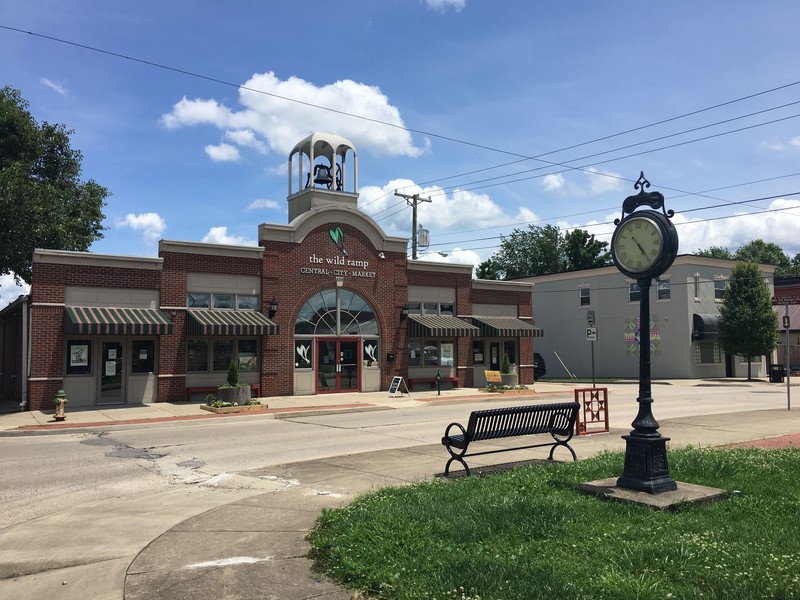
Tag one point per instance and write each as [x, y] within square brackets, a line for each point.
[337, 266]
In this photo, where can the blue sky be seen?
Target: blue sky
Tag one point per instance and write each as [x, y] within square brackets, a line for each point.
[462, 86]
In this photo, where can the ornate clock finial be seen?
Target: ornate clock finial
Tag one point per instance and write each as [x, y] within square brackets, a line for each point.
[641, 182]
[654, 200]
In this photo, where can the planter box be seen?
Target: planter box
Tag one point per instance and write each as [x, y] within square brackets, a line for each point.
[510, 379]
[234, 409]
[240, 395]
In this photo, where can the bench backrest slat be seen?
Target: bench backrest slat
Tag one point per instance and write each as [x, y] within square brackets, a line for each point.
[522, 420]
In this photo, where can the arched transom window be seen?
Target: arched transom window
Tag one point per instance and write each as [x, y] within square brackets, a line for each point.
[318, 315]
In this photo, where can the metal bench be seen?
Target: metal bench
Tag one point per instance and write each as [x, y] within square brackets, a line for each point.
[558, 420]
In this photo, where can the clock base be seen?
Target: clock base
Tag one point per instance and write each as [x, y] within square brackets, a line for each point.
[646, 467]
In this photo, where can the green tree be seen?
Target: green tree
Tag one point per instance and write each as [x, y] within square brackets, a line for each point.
[583, 251]
[748, 325]
[716, 252]
[761, 252]
[43, 202]
[488, 269]
[543, 250]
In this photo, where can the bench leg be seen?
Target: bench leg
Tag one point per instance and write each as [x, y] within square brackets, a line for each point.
[458, 459]
[567, 446]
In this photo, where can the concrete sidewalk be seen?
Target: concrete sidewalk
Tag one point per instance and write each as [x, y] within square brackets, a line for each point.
[246, 538]
[136, 414]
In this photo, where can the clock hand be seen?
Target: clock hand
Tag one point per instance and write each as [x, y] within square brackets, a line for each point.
[639, 246]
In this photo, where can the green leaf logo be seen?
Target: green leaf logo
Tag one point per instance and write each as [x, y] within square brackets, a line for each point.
[337, 235]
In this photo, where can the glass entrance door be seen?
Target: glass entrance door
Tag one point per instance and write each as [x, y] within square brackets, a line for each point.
[112, 373]
[337, 366]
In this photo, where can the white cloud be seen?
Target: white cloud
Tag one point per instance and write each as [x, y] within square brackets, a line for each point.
[456, 256]
[606, 181]
[56, 87]
[219, 235]
[459, 210]
[553, 182]
[223, 153]
[771, 146]
[776, 227]
[277, 123]
[245, 137]
[152, 225]
[442, 5]
[796, 142]
[196, 112]
[264, 203]
[10, 290]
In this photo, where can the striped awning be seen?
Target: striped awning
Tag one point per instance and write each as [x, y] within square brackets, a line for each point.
[435, 326]
[506, 327]
[96, 320]
[230, 322]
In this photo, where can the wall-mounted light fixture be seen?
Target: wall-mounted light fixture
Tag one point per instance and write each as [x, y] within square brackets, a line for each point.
[404, 312]
[273, 307]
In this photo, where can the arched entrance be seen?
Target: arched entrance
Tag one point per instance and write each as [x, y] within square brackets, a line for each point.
[337, 337]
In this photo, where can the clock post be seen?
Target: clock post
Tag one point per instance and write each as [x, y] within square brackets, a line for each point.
[643, 247]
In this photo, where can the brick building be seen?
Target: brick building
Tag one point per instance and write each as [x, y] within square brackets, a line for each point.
[327, 303]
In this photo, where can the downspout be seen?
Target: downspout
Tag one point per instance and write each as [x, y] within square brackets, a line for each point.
[26, 357]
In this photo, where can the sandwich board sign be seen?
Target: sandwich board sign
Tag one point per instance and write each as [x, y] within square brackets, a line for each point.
[395, 387]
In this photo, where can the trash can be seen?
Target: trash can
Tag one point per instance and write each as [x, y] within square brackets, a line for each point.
[777, 373]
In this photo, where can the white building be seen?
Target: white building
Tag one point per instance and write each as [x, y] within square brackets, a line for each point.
[684, 308]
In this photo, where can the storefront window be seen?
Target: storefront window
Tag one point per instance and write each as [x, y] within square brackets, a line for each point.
[431, 355]
[247, 354]
[370, 354]
[303, 354]
[448, 351]
[414, 358]
[478, 347]
[143, 356]
[446, 310]
[197, 355]
[430, 308]
[79, 357]
[222, 354]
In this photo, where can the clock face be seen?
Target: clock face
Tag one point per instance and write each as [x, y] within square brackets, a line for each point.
[638, 244]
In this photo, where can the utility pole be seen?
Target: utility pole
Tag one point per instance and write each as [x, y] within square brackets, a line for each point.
[413, 200]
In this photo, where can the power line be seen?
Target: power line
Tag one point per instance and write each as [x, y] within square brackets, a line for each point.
[769, 210]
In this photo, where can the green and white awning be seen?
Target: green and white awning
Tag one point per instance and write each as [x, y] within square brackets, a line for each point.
[506, 327]
[96, 320]
[436, 326]
[230, 322]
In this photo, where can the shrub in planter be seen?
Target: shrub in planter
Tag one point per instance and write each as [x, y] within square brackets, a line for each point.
[510, 378]
[234, 392]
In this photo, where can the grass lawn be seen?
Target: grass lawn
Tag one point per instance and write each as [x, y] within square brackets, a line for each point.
[528, 533]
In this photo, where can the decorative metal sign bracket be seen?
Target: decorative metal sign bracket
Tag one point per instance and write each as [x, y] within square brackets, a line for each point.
[654, 200]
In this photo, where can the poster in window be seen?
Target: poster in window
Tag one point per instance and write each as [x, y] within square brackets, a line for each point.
[79, 355]
[111, 368]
